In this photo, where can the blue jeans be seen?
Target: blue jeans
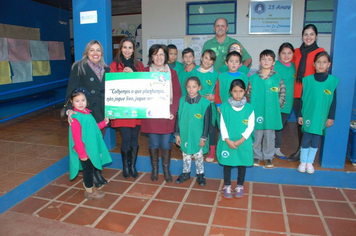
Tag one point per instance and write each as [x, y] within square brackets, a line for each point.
[159, 140]
[310, 140]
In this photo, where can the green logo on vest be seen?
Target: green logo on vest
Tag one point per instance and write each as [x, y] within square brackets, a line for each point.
[307, 123]
[327, 92]
[225, 154]
[259, 120]
[208, 82]
[245, 121]
[274, 89]
[198, 116]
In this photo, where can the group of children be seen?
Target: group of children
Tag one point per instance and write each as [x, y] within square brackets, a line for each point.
[249, 111]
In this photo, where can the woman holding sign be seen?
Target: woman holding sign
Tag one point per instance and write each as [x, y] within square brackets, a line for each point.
[89, 72]
[126, 61]
[160, 130]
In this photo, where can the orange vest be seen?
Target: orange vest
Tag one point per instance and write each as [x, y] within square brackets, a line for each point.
[309, 69]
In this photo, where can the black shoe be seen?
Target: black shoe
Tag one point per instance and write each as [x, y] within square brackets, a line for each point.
[133, 171]
[201, 179]
[100, 177]
[295, 156]
[256, 162]
[126, 158]
[166, 160]
[154, 163]
[183, 177]
[269, 163]
[96, 181]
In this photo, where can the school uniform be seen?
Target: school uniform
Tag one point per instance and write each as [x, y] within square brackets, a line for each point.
[267, 97]
[183, 76]
[192, 125]
[288, 76]
[91, 140]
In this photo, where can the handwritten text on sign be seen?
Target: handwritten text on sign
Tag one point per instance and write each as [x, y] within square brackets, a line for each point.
[137, 95]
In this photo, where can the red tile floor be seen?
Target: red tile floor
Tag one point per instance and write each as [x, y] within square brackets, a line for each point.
[140, 207]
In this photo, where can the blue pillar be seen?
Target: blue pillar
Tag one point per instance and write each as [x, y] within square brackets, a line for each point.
[101, 31]
[343, 52]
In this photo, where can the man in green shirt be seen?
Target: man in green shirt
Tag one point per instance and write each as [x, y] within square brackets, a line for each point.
[221, 42]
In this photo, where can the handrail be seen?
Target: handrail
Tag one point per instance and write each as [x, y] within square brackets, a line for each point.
[37, 108]
[32, 110]
[32, 87]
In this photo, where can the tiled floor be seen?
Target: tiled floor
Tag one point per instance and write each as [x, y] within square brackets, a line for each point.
[142, 207]
[31, 143]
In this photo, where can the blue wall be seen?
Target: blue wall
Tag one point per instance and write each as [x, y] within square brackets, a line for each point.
[36, 15]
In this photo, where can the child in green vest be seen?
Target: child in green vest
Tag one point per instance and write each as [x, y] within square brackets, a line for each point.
[189, 65]
[86, 145]
[316, 109]
[172, 58]
[286, 68]
[192, 128]
[237, 121]
[266, 92]
[208, 77]
[237, 48]
[233, 62]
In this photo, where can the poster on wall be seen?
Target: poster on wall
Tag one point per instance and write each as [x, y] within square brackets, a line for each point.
[270, 17]
[137, 95]
[196, 43]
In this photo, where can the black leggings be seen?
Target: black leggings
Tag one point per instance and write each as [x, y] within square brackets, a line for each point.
[241, 172]
[129, 137]
[88, 170]
[296, 108]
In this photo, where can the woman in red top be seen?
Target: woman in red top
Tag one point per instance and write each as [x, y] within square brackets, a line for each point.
[303, 60]
[126, 61]
[160, 130]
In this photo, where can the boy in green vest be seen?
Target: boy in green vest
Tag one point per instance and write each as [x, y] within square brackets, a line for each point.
[172, 58]
[189, 66]
[266, 92]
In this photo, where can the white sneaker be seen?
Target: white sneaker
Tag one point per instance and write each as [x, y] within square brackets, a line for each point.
[302, 167]
[310, 168]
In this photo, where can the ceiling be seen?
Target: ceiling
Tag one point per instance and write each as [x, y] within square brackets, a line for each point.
[118, 7]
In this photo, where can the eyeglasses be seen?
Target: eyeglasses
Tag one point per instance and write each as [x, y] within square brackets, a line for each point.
[234, 49]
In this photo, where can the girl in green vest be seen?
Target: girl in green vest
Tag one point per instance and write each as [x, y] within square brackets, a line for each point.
[316, 109]
[237, 122]
[208, 77]
[286, 68]
[86, 145]
[192, 128]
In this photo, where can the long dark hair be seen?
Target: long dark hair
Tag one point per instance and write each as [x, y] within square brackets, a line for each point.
[118, 56]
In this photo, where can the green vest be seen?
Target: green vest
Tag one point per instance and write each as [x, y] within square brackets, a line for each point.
[317, 98]
[208, 85]
[94, 145]
[265, 99]
[225, 82]
[178, 67]
[236, 123]
[191, 125]
[288, 76]
[183, 76]
[244, 69]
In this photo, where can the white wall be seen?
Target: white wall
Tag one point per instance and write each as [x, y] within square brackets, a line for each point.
[166, 19]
